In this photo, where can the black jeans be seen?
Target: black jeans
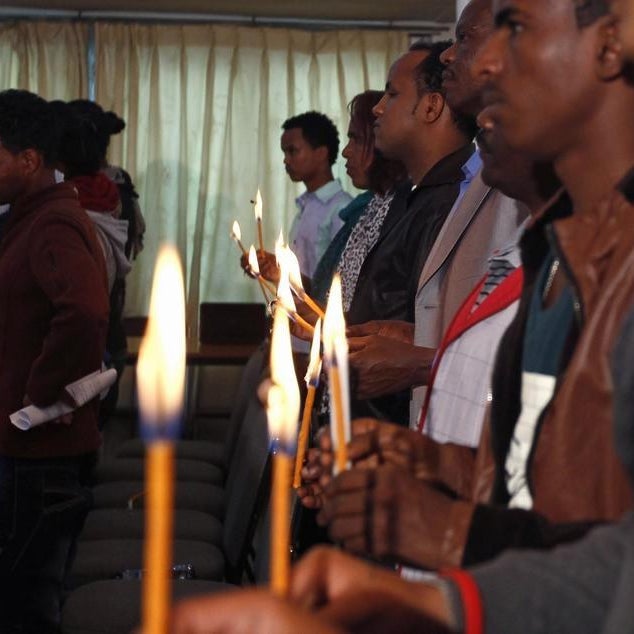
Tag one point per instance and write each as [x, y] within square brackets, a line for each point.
[43, 504]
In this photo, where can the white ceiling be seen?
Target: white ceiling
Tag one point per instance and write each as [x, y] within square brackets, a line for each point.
[417, 10]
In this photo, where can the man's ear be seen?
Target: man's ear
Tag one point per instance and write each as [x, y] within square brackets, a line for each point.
[431, 106]
[610, 59]
[322, 152]
[31, 161]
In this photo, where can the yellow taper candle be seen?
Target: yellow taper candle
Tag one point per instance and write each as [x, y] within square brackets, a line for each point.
[161, 381]
[281, 524]
[258, 218]
[159, 476]
[282, 412]
[312, 383]
[336, 361]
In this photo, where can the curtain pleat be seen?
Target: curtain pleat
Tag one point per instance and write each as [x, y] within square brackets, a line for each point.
[204, 105]
[48, 58]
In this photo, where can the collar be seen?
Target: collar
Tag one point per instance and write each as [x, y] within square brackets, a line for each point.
[472, 166]
[357, 203]
[34, 202]
[558, 206]
[450, 168]
[324, 194]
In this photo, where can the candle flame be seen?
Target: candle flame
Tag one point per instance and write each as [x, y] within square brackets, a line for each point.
[284, 294]
[283, 400]
[253, 261]
[258, 206]
[294, 273]
[236, 233]
[335, 342]
[314, 366]
[336, 360]
[161, 364]
[279, 248]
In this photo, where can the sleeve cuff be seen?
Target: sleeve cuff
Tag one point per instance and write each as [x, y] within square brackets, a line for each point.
[465, 601]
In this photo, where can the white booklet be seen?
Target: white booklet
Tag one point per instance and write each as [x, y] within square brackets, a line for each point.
[82, 391]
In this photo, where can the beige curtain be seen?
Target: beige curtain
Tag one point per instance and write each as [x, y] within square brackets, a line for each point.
[204, 106]
[48, 58]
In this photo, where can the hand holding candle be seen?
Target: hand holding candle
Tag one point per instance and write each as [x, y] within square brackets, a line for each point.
[282, 411]
[312, 382]
[336, 361]
[255, 269]
[161, 380]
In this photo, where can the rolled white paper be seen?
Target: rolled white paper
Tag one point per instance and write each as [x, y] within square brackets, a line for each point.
[81, 391]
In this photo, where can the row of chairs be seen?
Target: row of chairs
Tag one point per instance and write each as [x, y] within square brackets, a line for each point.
[220, 521]
[218, 322]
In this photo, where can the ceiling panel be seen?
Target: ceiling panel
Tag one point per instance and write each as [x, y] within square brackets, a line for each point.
[428, 10]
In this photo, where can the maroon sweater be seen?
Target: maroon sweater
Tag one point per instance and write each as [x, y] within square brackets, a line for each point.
[53, 319]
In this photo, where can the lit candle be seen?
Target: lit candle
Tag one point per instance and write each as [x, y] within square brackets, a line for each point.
[161, 381]
[255, 269]
[284, 295]
[312, 383]
[298, 286]
[258, 218]
[236, 234]
[336, 360]
[282, 413]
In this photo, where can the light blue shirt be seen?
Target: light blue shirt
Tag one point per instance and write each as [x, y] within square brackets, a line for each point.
[316, 223]
[469, 169]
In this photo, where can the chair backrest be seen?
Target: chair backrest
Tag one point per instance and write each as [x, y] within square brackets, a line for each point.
[248, 386]
[134, 326]
[232, 323]
[246, 487]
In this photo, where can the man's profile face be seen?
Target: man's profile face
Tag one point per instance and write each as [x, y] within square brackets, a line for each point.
[359, 155]
[301, 160]
[462, 87]
[539, 78]
[395, 114]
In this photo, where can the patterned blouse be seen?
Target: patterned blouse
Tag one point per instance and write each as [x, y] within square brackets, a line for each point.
[361, 241]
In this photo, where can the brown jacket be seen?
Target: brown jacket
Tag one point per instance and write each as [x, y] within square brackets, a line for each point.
[574, 475]
[53, 319]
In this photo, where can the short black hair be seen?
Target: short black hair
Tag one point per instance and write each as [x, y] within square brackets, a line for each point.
[28, 122]
[428, 77]
[318, 130]
[106, 123]
[428, 73]
[589, 11]
[79, 149]
[421, 44]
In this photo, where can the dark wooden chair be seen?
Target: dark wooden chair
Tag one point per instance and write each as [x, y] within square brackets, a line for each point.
[232, 323]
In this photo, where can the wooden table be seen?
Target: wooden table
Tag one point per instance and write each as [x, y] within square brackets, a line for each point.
[203, 353]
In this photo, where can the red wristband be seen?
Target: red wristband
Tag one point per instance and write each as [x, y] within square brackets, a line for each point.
[471, 601]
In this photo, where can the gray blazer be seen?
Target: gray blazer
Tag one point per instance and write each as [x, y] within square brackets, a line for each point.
[483, 221]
